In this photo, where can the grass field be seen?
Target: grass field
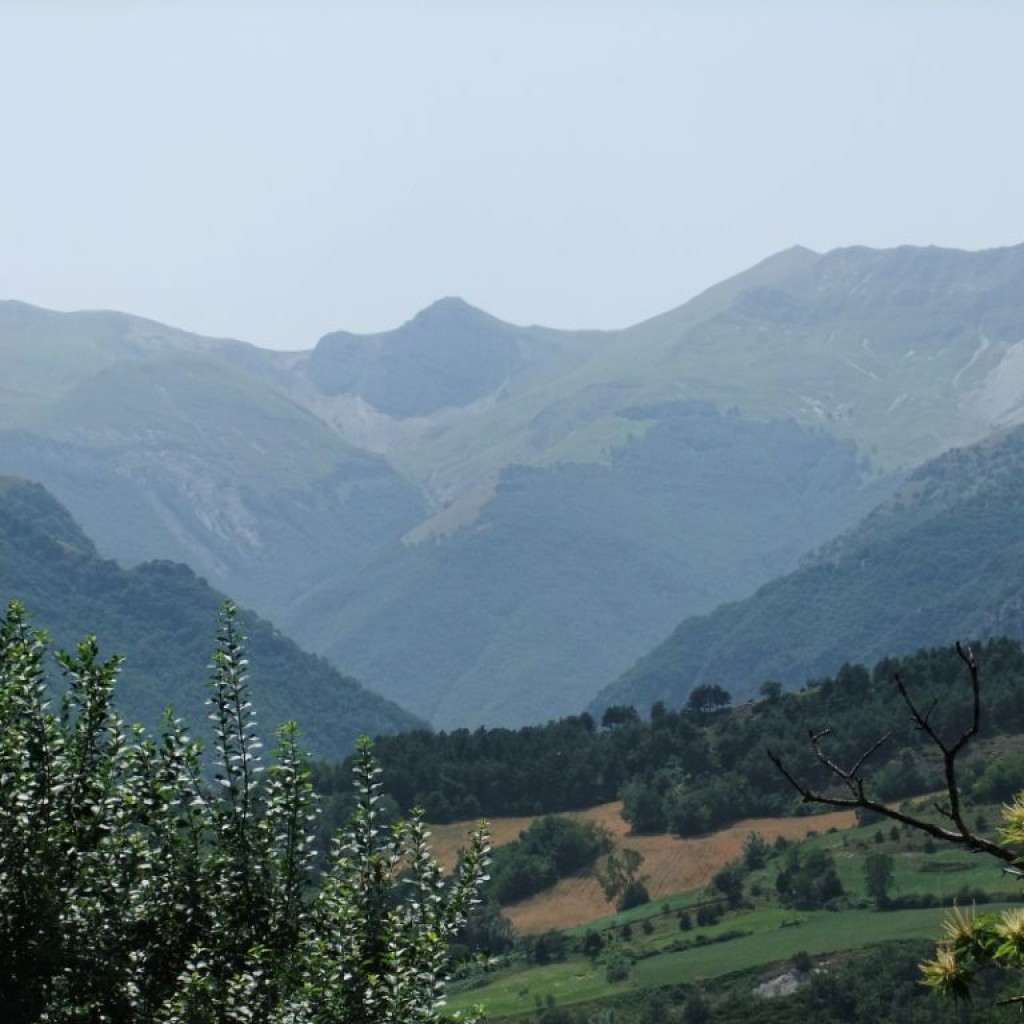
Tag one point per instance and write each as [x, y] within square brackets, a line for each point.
[774, 936]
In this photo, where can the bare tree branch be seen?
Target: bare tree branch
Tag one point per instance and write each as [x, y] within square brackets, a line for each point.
[853, 779]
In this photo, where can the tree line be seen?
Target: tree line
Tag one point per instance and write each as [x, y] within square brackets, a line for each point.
[700, 767]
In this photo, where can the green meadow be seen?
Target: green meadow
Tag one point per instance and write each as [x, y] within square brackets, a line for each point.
[759, 934]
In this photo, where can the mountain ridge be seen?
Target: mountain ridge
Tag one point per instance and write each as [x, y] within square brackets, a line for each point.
[316, 498]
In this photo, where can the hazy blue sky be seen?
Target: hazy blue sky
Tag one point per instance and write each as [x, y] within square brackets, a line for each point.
[275, 171]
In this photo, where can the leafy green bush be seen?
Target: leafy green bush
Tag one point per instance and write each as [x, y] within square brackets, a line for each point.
[551, 848]
[808, 880]
[134, 889]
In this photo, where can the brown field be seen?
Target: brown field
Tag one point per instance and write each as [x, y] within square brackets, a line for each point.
[670, 864]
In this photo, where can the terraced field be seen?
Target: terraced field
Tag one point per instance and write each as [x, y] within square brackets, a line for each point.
[766, 937]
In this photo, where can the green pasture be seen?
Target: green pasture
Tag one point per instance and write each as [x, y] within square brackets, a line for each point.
[773, 935]
[920, 867]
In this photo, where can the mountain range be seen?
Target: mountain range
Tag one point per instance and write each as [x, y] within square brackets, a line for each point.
[488, 523]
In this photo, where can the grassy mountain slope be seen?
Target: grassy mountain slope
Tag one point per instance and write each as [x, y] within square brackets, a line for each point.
[163, 618]
[47, 354]
[943, 558]
[906, 351]
[166, 445]
[570, 571]
[896, 349]
[451, 397]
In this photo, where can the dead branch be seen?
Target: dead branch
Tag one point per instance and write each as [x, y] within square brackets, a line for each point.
[853, 781]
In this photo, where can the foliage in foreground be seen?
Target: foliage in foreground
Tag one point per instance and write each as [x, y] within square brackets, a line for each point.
[975, 941]
[132, 889]
[972, 942]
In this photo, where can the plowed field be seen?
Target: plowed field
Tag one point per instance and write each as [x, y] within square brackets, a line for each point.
[670, 864]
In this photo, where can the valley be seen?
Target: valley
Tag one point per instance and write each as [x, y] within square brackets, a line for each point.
[511, 512]
[750, 946]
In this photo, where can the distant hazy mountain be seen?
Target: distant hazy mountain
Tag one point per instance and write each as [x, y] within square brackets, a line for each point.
[941, 560]
[905, 351]
[164, 619]
[487, 521]
[571, 570]
[166, 445]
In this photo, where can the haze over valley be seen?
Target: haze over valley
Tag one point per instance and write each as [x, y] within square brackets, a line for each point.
[488, 524]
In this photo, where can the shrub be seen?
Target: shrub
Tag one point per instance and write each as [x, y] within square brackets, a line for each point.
[132, 889]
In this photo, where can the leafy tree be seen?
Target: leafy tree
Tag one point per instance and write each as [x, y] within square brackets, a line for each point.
[1001, 780]
[634, 895]
[619, 714]
[709, 913]
[755, 851]
[618, 965]
[619, 880]
[708, 696]
[551, 946]
[878, 877]
[808, 880]
[643, 807]
[551, 848]
[487, 931]
[133, 890]
[592, 944]
[729, 882]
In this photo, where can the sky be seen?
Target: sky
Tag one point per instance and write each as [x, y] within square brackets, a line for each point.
[275, 171]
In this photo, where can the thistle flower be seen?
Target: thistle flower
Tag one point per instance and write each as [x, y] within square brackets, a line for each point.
[959, 927]
[1012, 831]
[947, 973]
[1010, 929]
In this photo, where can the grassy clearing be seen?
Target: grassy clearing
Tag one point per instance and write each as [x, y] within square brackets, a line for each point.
[818, 933]
[921, 867]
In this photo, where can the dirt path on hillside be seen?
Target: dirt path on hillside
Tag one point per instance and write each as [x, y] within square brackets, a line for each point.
[671, 864]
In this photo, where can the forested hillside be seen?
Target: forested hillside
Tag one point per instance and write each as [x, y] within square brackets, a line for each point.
[160, 608]
[944, 557]
[696, 768]
[571, 568]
